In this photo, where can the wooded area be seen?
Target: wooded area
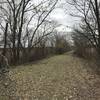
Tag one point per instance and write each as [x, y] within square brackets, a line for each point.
[87, 34]
[45, 54]
[25, 27]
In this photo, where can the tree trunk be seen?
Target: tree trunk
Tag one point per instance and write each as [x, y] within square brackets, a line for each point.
[98, 23]
[5, 39]
[20, 32]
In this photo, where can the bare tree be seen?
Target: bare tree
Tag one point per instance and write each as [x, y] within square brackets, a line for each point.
[5, 39]
[60, 43]
[20, 16]
[89, 12]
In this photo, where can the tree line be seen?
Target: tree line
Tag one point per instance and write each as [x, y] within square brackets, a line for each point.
[25, 25]
[87, 33]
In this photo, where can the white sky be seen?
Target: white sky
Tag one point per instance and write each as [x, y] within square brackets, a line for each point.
[62, 16]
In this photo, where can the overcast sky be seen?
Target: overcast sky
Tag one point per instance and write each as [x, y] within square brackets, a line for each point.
[62, 16]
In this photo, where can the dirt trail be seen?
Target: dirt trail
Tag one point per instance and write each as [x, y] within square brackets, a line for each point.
[62, 77]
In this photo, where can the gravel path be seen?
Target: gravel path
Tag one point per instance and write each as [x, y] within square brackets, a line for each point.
[62, 77]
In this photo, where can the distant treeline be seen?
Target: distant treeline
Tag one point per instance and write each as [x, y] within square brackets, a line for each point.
[36, 53]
